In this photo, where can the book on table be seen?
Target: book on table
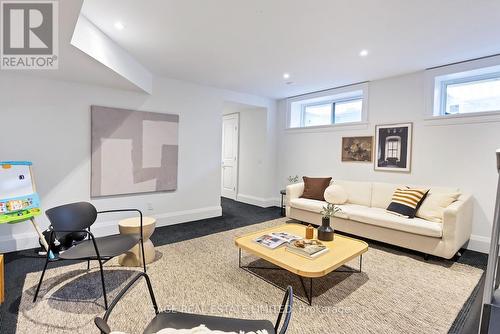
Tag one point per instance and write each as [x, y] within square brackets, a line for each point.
[307, 248]
[294, 244]
[276, 239]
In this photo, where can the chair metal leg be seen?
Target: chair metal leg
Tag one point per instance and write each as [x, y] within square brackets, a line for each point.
[41, 278]
[88, 265]
[143, 256]
[103, 286]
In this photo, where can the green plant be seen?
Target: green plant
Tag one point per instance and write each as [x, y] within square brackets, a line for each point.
[330, 210]
[293, 179]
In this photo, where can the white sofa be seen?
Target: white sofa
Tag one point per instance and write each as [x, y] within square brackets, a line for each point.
[364, 215]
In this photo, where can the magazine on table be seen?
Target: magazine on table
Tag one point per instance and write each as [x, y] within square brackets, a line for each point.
[275, 239]
[307, 248]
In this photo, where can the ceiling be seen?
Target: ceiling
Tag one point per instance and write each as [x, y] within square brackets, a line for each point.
[247, 45]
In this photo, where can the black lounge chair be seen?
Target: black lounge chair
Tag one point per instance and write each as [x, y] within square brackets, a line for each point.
[78, 217]
[179, 320]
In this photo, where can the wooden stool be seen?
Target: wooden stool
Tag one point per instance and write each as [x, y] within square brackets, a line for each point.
[133, 258]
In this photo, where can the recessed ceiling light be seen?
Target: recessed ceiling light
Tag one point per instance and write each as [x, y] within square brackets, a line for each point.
[363, 53]
[286, 75]
[119, 25]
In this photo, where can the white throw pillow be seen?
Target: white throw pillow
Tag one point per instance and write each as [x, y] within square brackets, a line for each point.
[434, 205]
[336, 194]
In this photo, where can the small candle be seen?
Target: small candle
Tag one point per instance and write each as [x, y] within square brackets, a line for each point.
[309, 232]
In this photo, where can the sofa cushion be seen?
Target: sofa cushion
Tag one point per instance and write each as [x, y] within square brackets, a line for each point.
[314, 187]
[349, 209]
[357, 192]
[382, 194]
[336, 194]
[434, 205]
[307, 204]
[379, 217]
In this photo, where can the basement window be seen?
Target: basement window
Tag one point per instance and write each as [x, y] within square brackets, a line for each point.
[470, 92]
[326, 108]
[317, 114]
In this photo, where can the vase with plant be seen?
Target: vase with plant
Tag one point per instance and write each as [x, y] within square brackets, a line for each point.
[325, 231]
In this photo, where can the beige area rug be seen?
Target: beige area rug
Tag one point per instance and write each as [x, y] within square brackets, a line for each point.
[395, 293]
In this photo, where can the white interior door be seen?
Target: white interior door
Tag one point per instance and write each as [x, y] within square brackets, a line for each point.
[230, 143]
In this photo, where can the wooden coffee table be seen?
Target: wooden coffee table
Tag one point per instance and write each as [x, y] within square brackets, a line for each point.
[341, 250]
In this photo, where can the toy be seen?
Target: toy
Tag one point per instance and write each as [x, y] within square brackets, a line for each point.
[63, 243]
[18, 198]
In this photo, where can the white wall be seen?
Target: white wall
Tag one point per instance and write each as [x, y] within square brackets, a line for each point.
[257, 161]
[48, 123]
[444, 154]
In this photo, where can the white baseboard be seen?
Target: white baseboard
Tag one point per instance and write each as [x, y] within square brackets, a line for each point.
[178, 217]
[29, 240]
[479, 243]
[258, 201]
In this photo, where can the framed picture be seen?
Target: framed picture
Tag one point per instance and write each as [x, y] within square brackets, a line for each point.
[133, 151]
[357, 149]
[393, 147]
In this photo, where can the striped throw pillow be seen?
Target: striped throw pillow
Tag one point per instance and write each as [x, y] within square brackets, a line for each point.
[405, 202]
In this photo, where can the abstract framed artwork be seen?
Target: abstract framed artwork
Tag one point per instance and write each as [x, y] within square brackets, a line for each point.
[393, 147]
[357, 149]
[133, 151]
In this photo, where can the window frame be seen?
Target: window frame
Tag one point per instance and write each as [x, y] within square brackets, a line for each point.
[461, 80]
[303, 108]
[329, 97]
[333, 103]
[454, 73]
[359, 98]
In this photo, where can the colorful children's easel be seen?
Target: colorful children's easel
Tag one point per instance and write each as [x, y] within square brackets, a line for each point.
[18, 198]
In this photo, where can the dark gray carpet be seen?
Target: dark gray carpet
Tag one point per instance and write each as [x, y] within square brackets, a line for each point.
[235, 214]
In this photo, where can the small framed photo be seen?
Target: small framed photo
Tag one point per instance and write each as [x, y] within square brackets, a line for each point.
[358, 149]
[393, 147]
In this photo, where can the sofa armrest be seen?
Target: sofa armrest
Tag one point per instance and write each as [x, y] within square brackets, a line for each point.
[294, 191]
[457, 221]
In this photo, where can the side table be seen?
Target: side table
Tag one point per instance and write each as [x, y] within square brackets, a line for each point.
[133, 258]
[282, 207]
